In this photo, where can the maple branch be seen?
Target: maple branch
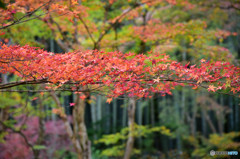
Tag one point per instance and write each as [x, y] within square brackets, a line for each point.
[124, 13]
[39, 81]
[64, 46]
[112, 24]
[20, 133]
[28, 14]
[87, 29]
[19, 22]
[42, 90]
[17, 83]
[27, 113]
[75, 34]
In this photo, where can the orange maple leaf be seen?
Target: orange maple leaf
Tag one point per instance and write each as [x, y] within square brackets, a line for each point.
[212, 88]
[156, 80]
[109, 100]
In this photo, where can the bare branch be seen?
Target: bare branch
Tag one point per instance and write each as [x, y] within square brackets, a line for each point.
[20, 133]
[17, 83]
[87, 29]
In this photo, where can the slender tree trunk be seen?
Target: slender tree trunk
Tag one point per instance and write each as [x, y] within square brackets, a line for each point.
[209, 121]
[178, 120]
[69, 130]
[220, 116]
[114, 115]
[142, 43]
[183, 103]
[194, 111]
[116, 38]
[124, 119]
[41, 130]
[139, 118]
[107, 124]
[237, 105]
[94, 117]
[162, 102]
[131, 118]
[99, 110]
[231, 113]
[80, 129]
[147, 112]
[204, 118]
[152, 112]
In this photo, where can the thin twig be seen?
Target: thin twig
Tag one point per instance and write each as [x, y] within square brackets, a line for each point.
[26, 15]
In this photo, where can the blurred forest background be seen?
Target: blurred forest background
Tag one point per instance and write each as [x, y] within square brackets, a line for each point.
[187, 124]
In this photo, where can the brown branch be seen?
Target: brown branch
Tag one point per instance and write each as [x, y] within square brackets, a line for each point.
[20, 133]
[124, 13]
[67, 124]
[87, 29]
[43, 90]
[62, 43]
[4, 87]
[39, 81]
[28, 14]
[13, 84]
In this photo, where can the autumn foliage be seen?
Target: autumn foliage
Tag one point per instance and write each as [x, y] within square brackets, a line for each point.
[135, 75]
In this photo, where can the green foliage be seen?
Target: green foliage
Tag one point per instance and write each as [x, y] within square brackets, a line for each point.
[96, 154]
[2, 135]
[26, 33]
[216, 142]
[65, 154]
[114, 151]
[217, 17]
[9, 99]
[115, 140]
[39, 147]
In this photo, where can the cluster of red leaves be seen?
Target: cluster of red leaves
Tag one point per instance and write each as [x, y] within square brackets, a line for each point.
[119, 73]
[156, 30]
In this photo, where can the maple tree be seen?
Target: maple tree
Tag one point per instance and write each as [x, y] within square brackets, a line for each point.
[136, 76]
[74, 25]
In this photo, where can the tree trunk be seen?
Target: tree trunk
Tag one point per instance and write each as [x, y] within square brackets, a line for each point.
[194, 111]
[237, 114]
[41, 131]
[220, 116]
[114, 115]
[231, 114]
[99, 111]
[124, 111]
[80, 130]
[131, 117]
[209, 121]
[94, 117]
[71, 133]
[152, 112]
[139, 118]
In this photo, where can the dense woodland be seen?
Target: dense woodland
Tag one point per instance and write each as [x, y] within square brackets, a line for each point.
[113, 79]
